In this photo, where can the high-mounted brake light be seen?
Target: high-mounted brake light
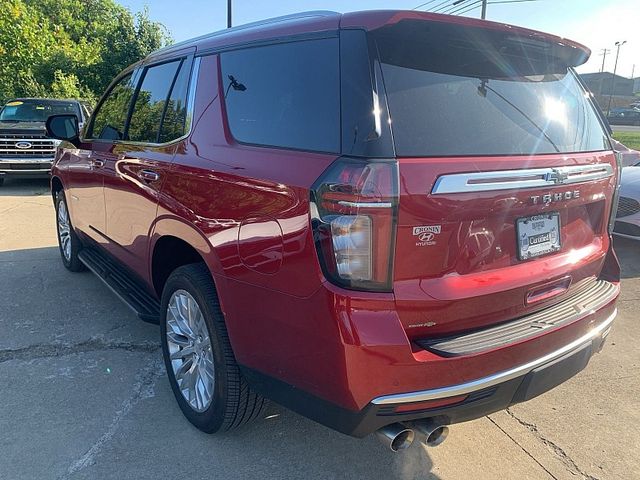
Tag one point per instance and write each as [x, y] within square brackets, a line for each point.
[353, 211]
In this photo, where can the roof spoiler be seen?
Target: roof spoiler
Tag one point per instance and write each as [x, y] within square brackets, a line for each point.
[477, 46]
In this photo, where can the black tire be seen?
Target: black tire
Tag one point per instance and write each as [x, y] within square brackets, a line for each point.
[72, 262]
[233, 402]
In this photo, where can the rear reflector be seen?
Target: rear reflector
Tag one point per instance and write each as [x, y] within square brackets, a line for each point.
[429, 404]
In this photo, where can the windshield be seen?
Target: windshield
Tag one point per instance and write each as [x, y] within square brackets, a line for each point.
[461, 92]
[37, 110]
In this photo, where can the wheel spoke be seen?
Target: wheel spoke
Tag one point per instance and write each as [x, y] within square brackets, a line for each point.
[187, 351]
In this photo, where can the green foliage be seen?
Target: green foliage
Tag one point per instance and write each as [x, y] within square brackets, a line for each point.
[110, 119]
[70, 48]
[630, 139]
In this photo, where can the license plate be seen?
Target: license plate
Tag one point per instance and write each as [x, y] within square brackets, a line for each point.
[538, 235]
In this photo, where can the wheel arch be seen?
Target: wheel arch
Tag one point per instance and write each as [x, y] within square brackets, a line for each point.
[175, 243]
[56, 186]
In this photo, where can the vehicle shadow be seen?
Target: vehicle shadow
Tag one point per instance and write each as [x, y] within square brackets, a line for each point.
[24, 187]
[282, 444]
[294, 443]
[628, 252]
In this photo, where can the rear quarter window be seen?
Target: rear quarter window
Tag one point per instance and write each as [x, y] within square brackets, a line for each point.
[284, 95]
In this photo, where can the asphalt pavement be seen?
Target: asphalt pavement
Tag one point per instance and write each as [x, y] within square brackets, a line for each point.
[626, 128]
[84, 394]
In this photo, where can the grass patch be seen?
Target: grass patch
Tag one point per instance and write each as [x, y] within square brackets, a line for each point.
[630, 139]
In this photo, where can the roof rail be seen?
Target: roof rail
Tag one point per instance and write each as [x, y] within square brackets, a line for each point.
[259, 23]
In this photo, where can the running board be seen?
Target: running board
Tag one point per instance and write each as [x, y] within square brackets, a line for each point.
[122, 284]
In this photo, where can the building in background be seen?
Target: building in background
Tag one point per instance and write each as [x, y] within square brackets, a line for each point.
[602, 83]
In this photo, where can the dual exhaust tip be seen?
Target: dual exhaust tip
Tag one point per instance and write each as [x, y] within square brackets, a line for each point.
[399, 436]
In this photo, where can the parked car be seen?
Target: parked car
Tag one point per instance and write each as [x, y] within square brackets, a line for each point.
[624, 116]
[627, 156]
[24, 148]
[386, 221]
[628, 213]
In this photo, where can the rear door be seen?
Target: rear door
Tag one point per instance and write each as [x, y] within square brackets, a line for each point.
[506, 175]
[135, 171]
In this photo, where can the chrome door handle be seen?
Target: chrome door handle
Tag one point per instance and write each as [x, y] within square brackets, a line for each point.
[97, 163]
[148, 175]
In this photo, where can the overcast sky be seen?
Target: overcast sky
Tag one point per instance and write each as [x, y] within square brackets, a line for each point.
[596, 23]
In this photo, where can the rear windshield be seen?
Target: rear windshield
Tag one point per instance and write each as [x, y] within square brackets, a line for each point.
[441, 105]
[36, 110]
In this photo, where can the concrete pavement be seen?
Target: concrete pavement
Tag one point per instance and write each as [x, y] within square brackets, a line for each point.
[85, 394]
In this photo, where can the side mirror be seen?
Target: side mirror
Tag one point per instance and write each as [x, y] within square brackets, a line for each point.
[64, 127]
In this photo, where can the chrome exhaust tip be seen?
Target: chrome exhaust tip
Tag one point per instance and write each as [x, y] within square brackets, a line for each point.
[396, 436]
[432, 431]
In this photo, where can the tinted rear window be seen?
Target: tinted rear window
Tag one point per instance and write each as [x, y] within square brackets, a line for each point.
[488, 104]
[285, 95]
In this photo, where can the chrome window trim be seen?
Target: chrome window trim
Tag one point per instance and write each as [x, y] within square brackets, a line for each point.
[516, 179]
[500, 377]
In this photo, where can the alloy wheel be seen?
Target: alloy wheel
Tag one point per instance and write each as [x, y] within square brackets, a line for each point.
[64, 230]
[190, 350]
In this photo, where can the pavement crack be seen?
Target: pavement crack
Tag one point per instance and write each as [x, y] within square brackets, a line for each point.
[523, 449]
[44, 350]
[143, 387]
[557, 450]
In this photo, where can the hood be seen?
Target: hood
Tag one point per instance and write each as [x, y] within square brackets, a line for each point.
[26, 128]
[630, 182]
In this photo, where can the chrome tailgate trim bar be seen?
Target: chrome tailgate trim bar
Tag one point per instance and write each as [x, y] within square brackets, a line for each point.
[517, 179]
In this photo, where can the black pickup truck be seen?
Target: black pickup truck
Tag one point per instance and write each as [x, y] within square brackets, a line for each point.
[24, 148]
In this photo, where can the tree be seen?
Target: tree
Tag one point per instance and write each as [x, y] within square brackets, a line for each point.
[71, 48]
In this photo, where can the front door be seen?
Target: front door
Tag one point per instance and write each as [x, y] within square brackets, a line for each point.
[86, 166]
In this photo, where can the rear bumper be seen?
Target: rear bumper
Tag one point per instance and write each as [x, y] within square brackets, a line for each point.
[477, 398]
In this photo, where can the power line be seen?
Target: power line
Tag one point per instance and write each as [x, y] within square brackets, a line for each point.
[469, 9]
[439, 6]
[458, 8]
[423, 4]
[510, 1]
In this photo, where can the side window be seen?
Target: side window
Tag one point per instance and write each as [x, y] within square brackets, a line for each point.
[109, 120]
[151, 102]
[285, 95]
[175, 117]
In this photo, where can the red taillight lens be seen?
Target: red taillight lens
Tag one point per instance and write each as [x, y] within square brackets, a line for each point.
[353, 210]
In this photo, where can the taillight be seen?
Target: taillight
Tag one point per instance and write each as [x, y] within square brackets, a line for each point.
[353, 211]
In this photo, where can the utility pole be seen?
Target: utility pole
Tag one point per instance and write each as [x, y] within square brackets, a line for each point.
[604, 53]
[633, 70]
[228, 13]
[613, 77]
[483, 15]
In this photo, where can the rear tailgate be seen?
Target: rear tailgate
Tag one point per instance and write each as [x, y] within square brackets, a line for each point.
[460, 263]
[506, 172]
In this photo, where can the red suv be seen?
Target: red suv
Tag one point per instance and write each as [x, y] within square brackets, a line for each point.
[386, 221]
